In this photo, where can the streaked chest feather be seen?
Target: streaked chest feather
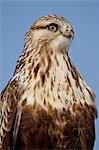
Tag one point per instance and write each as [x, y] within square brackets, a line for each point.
[55, 82]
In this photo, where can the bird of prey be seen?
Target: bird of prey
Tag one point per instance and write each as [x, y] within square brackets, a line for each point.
[47, 104]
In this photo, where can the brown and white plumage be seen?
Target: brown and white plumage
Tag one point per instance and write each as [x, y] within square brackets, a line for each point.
[46, 104]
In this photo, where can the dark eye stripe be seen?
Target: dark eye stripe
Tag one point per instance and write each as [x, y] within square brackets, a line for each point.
[53, 24]
[47, 26]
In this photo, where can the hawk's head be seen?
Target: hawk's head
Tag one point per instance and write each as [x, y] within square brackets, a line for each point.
[53, 31]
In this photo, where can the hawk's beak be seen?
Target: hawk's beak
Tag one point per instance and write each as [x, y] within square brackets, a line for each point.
[69, 34]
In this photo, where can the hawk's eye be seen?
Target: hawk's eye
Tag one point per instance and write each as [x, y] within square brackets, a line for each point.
[53, 27]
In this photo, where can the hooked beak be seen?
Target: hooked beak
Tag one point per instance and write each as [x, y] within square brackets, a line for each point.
[68, 31]
[69, 34]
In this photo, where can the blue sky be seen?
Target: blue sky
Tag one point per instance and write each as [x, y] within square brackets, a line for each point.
[16, 17]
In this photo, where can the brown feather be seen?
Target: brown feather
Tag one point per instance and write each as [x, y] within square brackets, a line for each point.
[47, 104]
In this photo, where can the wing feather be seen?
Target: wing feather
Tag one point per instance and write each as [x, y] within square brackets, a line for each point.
[16, 125]
[9, 115]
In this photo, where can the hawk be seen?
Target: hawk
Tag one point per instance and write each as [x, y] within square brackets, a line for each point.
[46, 104]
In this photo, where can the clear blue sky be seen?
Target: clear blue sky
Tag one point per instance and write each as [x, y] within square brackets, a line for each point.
[16, 17]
